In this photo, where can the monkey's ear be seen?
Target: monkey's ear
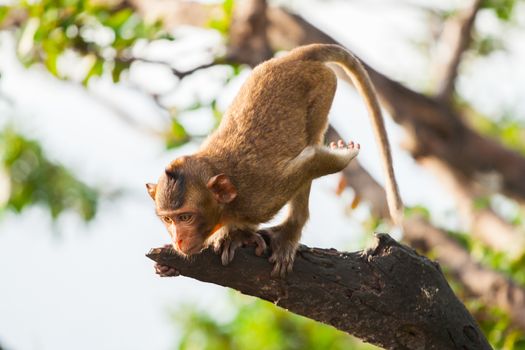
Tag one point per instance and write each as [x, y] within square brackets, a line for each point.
[222, 188]
[152, 189]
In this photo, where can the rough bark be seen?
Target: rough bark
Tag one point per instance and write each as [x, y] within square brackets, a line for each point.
[493, 287]
[388, 295]
[436, 132]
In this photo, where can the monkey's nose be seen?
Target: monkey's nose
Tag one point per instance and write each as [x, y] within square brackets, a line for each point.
[179, 244]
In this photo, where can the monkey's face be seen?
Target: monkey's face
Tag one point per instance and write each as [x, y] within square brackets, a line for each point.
[189, 228]
[191, 212]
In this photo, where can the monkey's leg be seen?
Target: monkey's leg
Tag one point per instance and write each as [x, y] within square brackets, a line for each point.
[231, 238]
[285, 237]
[317, 160]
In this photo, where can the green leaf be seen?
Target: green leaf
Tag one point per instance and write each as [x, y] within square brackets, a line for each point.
[482, 203]
[35, 180]
[177, 135]
[117, 20]
[258, 325]
[4, 11]
[96, 70]
[222, 21]
[504, 9]
[118, 68]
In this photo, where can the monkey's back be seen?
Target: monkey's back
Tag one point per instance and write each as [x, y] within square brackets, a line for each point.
[269, 118]
[280, 109]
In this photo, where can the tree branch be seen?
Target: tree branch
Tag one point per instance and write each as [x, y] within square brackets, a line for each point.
[491, 286]
[455, 40]
[388, 295]
[435, 131]
[248, 41]
[483, 223]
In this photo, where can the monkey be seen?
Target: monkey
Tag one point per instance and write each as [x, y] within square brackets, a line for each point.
[264, 155]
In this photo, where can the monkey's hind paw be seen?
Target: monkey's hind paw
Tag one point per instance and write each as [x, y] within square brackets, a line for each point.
[350, 150]
[283, 255]
[240, 238]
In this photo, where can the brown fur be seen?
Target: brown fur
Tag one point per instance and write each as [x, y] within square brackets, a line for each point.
[268, 150]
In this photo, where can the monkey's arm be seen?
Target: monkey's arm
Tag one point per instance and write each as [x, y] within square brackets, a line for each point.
[387, 295]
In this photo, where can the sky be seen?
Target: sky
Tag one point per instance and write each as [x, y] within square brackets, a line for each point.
[84, 286]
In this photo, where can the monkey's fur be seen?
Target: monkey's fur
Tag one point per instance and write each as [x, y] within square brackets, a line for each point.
[265, 154]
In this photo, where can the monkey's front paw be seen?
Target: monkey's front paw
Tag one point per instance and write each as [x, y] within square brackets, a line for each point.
[165, 270]
[350, 150]
[239, 238]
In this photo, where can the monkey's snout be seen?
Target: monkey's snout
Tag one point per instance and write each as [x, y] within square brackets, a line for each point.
[185, 247]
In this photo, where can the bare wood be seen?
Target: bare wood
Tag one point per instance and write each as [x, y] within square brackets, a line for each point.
[388, 295]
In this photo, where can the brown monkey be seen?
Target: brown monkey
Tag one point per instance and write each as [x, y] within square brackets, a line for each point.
[265, 154]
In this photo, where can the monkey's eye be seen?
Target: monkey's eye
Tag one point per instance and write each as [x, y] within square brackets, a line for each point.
[184, 217]
[167, 219]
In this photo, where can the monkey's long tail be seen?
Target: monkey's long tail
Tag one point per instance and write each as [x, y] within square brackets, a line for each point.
[359, 76]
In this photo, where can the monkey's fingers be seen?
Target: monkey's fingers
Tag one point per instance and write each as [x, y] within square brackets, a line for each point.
[260, 244]
[353, 144]
[165, 271]
[225, 254]
[281, 268]
[228, 250]
[169, 247]
[283, 263]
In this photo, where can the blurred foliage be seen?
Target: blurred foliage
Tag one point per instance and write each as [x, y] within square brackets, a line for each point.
[99, 34]
[513, 267]
[485, 45]
[221, 23]
[504, 9]
[34, 179]
[507, 130]
[177, 135]
[495, 323]
[417, 210]
[258, 325]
